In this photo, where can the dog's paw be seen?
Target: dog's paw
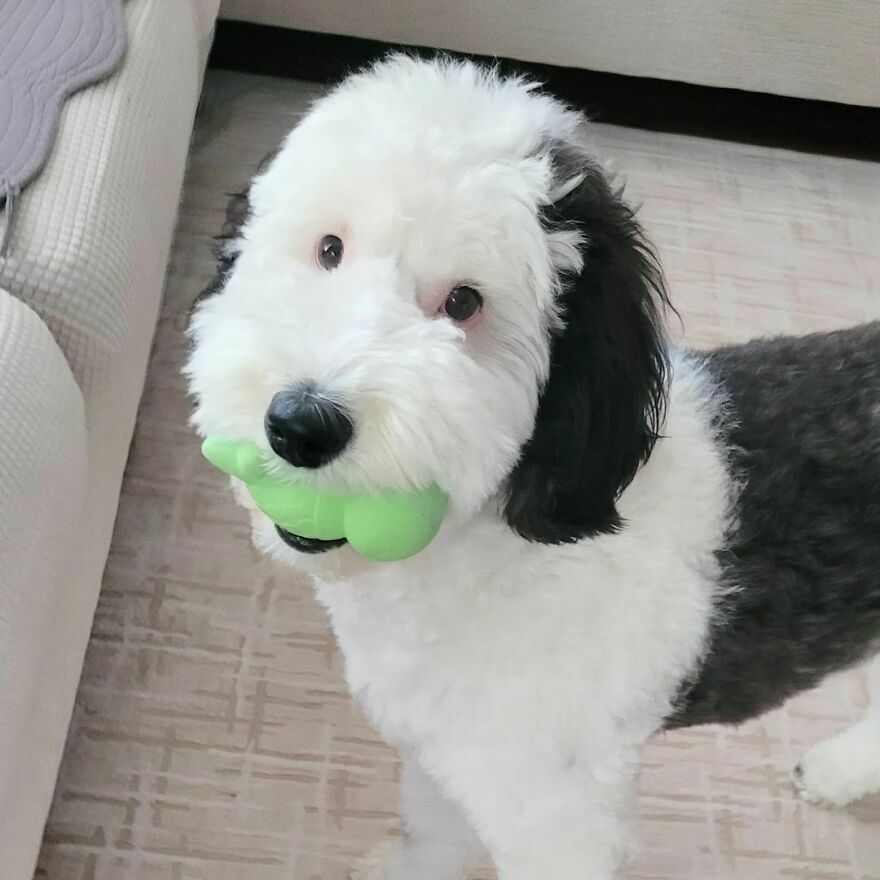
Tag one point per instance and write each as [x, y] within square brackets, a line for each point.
[842, 769]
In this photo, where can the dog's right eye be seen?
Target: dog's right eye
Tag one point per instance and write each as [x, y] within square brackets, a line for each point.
[330, 251]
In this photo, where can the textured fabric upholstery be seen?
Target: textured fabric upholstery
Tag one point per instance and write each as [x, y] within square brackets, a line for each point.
[43, 475]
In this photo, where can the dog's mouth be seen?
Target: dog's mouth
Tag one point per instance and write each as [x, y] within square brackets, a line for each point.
[307, 545]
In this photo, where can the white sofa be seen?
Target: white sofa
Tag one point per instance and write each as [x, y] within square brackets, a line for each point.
[799, 48]
[79, 297]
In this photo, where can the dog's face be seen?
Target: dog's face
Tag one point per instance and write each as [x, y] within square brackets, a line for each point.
[433, 283]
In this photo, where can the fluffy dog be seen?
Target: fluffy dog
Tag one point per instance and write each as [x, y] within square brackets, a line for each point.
[433, 280]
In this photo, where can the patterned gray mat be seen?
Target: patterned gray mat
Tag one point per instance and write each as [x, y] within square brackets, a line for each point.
[48, 50]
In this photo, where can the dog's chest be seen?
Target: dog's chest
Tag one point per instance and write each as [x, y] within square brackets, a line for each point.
[418, 651]
[544, 636]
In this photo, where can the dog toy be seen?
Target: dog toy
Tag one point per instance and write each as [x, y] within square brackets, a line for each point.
[386, 527]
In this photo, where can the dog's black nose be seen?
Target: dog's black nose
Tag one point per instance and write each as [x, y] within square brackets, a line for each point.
[307, 429]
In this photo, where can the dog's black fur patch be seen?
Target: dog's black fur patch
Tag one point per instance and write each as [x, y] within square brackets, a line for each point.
[803, 560]
[602, 406]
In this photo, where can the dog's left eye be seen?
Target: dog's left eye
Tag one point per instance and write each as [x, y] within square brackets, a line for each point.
[330, 251]
[463, 303]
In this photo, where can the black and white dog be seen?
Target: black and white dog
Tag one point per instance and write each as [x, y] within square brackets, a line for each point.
[433, 281]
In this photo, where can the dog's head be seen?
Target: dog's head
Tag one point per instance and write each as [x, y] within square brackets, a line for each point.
[434, 281]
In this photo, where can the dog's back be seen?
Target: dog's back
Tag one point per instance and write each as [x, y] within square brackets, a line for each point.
[803, 559]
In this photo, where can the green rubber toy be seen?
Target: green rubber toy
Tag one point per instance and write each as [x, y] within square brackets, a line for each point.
[385, 527]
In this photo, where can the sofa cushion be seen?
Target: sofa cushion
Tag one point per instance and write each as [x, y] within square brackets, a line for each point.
[43, 475]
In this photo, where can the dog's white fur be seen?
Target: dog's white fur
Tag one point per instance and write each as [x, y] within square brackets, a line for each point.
[519, 680]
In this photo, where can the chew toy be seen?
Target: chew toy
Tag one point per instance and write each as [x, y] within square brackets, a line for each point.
[385, 527]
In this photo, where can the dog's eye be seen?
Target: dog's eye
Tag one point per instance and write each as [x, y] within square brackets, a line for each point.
[463, 303]
[330, 251]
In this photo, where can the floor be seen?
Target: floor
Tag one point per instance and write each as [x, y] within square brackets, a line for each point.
[213, 738]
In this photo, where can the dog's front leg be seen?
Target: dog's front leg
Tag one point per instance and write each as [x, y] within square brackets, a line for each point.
[548, 819]
[437, 843]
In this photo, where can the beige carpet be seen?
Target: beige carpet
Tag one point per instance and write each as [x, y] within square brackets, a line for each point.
[213, 737]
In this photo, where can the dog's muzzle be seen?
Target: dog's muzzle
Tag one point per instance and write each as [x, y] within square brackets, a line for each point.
[307, 545]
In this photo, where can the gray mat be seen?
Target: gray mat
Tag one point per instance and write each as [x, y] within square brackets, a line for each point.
[48, 50]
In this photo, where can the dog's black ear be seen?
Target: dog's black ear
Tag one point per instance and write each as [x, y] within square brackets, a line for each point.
[603, 404]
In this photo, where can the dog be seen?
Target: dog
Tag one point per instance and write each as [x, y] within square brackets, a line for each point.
[433, 280]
